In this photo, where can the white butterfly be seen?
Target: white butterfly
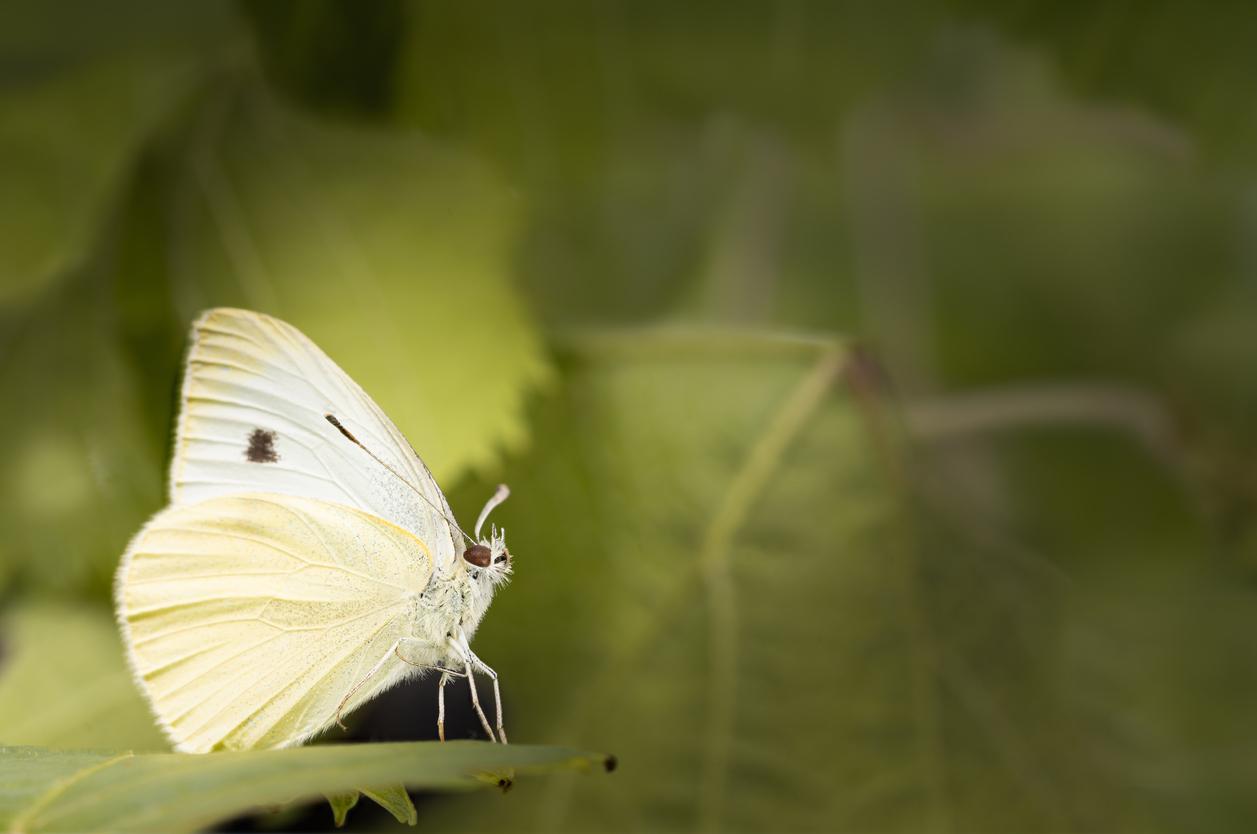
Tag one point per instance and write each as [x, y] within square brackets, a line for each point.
[307, 561]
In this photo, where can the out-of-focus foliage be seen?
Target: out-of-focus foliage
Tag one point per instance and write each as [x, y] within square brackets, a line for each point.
[77, 103]
[711, 634]
[65, 683]
[1171, 59]
[57, 189]
[744, 657]
[81, 468]
[354, 232]
[351, 230]
[993, 571]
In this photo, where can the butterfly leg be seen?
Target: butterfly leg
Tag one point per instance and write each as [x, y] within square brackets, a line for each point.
[445, 670]
[440, 705]
[446, 674]
[497, 694]
[475, 702]
[460, 645]
[497, 702]
[396, 650]
[460, 648]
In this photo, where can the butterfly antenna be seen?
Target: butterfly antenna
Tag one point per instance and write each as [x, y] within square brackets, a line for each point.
[501, 495]
[331, 418]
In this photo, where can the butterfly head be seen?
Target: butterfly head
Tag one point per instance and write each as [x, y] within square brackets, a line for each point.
[489, 559]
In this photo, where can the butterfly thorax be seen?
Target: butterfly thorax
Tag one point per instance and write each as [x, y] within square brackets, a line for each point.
[457, 599]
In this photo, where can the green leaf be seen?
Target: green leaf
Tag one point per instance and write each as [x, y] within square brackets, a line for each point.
[49, 790]
[390, 251]
[717, 539]
[342, 803]
[396, 801]
[393, 799]
[717, 505]
[63, 682]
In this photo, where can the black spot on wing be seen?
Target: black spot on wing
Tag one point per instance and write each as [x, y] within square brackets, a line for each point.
[261, 447]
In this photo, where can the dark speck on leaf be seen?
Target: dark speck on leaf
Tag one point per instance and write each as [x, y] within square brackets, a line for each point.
[261, 447]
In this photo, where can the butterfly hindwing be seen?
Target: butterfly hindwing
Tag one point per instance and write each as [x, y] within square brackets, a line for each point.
[264, 409]
[247, 619]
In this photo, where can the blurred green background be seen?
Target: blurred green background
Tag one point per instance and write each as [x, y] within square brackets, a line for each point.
[876, 381]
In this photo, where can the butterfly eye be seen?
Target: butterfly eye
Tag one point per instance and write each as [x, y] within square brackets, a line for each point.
[478, 555]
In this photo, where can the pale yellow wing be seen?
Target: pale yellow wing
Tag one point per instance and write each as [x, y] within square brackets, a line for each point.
[254, 417]
[248, 618]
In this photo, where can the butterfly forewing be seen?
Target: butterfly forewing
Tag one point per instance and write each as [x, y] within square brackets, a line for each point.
[247, 619]
[257, 397]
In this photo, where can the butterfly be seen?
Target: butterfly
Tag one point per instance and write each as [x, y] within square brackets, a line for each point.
[307, 560]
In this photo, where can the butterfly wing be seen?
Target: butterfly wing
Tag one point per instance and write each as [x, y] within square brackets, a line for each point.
[247, 619]
[256, 399]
